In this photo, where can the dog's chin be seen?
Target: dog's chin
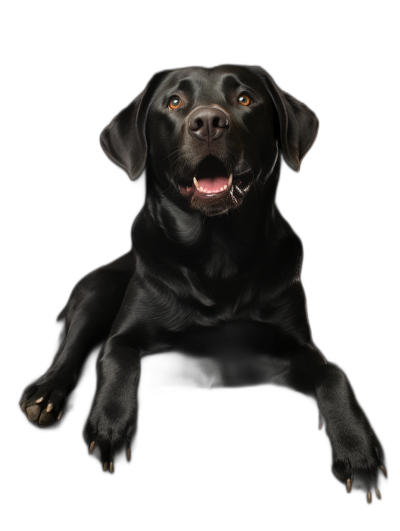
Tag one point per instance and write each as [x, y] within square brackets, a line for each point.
[214, 189]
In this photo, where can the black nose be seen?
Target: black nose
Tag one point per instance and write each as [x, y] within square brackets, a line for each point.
[208, 123]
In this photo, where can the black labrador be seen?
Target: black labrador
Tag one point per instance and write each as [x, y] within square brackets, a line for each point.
[214, 268]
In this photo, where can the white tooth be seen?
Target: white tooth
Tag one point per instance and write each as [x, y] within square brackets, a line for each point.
[225, 187]
[195, 182]
[221, 189]
[230, 179]
[201, 188]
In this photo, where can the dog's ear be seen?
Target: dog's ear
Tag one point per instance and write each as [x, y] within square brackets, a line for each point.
[124, 139]
[298, 124]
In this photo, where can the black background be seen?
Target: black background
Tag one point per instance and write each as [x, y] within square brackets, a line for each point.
[226, 457]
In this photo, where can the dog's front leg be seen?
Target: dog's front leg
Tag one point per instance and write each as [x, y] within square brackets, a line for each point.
[136, 332]
[356, 451]
[89, 314]
[112, 420]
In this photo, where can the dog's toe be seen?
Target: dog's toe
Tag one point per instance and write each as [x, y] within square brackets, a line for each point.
[107, 435]
[360, 470]
[33, 412]
[42, 404]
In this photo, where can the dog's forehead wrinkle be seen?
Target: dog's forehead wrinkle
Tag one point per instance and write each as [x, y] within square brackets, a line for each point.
[229, 82]
[185, 85]
[207, 84]
[191, 76]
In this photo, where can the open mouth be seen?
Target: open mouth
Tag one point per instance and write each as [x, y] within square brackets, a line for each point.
[211, 179]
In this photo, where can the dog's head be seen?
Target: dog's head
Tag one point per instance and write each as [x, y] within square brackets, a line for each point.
[210, 134]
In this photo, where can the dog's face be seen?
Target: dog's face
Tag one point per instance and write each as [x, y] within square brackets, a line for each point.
[221, 130]
[210, 134]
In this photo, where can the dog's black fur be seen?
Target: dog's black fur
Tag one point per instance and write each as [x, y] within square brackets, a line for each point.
[215, 273]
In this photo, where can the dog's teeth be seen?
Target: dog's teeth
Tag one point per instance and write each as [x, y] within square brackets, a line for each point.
[230, 179]
[195, 182]
[225, 187]
[201, 188]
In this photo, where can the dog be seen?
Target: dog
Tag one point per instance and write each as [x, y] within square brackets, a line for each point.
[214, 268]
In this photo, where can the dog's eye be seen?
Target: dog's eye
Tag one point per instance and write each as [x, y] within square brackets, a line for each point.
[174, 103]
[244, 99]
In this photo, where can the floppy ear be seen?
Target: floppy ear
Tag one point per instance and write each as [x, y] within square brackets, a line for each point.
[298, 124]
[124, 139]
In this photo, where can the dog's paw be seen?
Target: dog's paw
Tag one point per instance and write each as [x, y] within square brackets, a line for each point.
[108, 430]
[43, 404]
[358, 461]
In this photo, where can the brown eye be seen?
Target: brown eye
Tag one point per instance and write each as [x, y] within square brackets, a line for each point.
[175, 103]
[244, 99]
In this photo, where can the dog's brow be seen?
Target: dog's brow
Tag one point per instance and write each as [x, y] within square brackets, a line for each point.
[185, 85]
[230, 81]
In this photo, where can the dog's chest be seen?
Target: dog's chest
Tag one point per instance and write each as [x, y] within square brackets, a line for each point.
[213, 348]
[218, 338]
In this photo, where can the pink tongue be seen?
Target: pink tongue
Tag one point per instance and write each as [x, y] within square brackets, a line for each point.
[212, 184]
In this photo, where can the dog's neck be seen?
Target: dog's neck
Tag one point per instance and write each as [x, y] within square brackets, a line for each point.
[219, 246]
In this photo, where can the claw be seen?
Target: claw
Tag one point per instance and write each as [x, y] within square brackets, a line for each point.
[378, 494]
[59, 415]
[112, 467]
[105, 466]
[39, 400]
[369, 497]
[91, 447]
[49, 408]
[128, 454]
[384, 471]
[348, 485]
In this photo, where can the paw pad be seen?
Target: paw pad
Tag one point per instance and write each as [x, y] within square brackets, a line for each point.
[42, 404]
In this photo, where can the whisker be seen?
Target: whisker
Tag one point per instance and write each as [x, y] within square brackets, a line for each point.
[176, 160]
[170, 154]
